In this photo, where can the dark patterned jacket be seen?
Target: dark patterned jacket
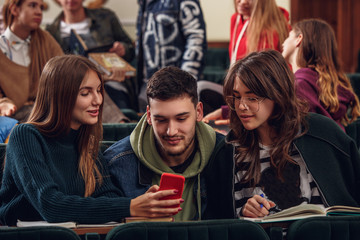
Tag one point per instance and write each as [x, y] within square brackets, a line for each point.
[170, 33]
[105, 29]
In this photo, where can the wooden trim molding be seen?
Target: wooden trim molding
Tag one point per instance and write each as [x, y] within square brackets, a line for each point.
[218, 44]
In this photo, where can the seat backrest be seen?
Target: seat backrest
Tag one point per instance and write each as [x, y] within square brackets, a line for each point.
[37, 233]
[217, 57]
[216, 64]
[131, 114]
[117, 131]
[229, 229]
[325, 228]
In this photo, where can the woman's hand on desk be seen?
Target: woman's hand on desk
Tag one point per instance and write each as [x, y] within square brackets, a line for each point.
[150, 205]
[7, 109]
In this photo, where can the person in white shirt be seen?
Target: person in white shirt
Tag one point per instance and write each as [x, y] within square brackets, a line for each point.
[24, 50]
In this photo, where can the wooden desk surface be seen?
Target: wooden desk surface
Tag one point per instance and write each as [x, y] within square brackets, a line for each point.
[99, 230]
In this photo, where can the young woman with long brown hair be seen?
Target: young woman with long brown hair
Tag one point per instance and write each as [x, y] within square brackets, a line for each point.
[24, 50]
[283, 155]
[53, 171]
[311, 50]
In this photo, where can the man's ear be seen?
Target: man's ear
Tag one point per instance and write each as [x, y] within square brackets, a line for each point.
[199, 111]
[148, 114]
[299, 40]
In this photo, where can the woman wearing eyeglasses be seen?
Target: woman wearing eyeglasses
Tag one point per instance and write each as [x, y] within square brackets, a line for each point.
[283, 155]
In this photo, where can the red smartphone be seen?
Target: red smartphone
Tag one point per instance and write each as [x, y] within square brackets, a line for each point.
[172, 181]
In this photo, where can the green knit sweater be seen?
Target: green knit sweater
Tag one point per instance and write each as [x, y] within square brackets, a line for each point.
[41, 181]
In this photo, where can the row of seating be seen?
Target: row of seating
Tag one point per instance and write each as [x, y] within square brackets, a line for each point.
[325, 228]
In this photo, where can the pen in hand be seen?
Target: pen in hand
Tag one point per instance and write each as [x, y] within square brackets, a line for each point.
[261, 205]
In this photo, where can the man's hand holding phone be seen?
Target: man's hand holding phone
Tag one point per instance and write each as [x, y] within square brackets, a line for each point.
[171, 181]
[152, 204]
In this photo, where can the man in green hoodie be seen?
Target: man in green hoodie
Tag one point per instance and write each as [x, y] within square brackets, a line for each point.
[171, 138]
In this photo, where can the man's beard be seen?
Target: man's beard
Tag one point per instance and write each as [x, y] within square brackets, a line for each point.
[178, 153]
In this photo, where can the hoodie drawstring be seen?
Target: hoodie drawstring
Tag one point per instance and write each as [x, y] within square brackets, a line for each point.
[199, 197]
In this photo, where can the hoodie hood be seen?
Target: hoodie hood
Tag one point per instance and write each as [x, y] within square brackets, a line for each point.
[142, 141]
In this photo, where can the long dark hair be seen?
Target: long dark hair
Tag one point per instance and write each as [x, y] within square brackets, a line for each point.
[52, 113]
[267, 75]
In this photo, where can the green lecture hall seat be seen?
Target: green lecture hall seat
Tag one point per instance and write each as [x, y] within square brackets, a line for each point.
[216, 64]
[227, 229]
[325, 228]
[37, 233]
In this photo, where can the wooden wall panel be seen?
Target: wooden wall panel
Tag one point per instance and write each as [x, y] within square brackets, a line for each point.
[356, 33]
[344, 33]
[343, 16]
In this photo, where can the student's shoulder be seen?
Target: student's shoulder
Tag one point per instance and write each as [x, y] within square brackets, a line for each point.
[322, 127]
[219, 136]
[221, 146]
[25, 127]
[285, 13]
[220, 140]
[320, 122]
[25, 131]
[233, 17]
[54, 26]
[119, 147]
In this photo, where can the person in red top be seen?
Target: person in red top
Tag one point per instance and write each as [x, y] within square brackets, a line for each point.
[256, 25]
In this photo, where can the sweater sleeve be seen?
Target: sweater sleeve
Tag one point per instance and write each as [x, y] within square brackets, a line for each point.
[28, 159]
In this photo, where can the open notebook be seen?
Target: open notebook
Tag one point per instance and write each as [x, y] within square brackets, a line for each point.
[305, 211]
[63, 224]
